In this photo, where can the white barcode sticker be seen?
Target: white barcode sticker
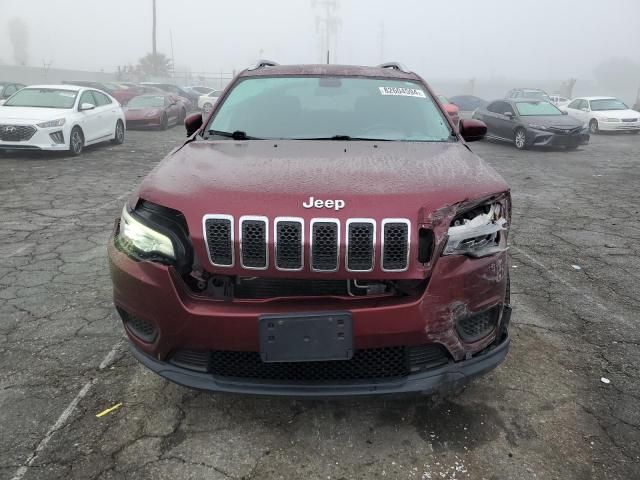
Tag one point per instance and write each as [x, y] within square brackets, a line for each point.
[402, 91]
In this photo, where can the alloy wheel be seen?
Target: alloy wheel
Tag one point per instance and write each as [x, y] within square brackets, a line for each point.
[521, 139]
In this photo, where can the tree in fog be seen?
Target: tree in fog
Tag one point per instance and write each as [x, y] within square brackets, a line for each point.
[157, 64]
[19, 36]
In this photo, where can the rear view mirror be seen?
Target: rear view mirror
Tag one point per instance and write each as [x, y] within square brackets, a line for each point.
[472, 130]
[193, 123]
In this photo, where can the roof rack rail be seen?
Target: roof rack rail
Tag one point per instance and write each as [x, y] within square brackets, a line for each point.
[264, 63]
[394, 66]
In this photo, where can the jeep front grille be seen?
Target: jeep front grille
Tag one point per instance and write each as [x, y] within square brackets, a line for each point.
[322, 241]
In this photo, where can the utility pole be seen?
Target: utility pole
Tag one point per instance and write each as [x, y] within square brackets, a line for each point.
[329, 23]
[381, 39]
[154, 49]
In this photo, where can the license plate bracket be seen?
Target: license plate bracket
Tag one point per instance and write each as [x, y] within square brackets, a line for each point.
[306, 337]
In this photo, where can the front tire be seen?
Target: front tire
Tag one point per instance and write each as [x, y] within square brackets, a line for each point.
[520, 138]
[76, 142]
[164, 122]
[593, 126]
[118, 138]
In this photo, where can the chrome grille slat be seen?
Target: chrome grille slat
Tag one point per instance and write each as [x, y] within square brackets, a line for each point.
[361, 242]
[289, 243]
[254, 233]
[396, 234]
[325, 245]
[219, 235]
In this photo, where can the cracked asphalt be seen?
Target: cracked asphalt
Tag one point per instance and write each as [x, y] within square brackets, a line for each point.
[544, 414]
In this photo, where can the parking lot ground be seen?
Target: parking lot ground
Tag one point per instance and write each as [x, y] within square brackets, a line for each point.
[544, 414]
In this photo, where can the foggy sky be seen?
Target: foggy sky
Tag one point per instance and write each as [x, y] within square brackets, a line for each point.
[436, 38]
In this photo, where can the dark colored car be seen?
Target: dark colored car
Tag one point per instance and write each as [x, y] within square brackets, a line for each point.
[532, 123]
[325, 231]
[155, 111]
[468, 103]
[9, 88]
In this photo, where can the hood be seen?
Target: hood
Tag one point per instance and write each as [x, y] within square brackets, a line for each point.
[617, 113]
[30, 114]
[553, 121]
[387, 179]
[142, 112]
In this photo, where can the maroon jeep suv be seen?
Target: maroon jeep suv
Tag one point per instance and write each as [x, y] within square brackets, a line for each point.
[326, 231]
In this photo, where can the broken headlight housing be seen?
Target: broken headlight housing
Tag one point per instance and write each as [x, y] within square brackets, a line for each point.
[477, 232]
[144, 241]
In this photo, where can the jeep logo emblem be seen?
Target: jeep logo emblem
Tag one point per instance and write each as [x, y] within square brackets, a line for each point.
[317, 203]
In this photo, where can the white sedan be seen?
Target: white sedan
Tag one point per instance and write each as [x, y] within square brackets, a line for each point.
[60, 117]
[206, 102]
[604, 114]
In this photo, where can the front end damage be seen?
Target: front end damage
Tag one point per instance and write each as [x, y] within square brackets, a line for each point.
[425, 331]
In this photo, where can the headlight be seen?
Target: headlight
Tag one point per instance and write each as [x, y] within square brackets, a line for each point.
[52, 123]
[142, 239]
[477, 233]
[537, 127]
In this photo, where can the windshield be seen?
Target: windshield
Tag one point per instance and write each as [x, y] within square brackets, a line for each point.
[330, 108]
[527, 109]
[607, 104]
[147, 101]
[43, 98]
[535, 94]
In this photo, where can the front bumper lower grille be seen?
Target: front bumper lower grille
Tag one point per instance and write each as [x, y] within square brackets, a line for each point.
[366, 364]
[322, 242]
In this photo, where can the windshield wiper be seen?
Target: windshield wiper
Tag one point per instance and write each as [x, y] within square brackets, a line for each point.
[236, 135]
[347, 138]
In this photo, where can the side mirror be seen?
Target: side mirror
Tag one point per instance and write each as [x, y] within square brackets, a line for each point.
[508, 114]
[87, 106]
[472, 130]
[193, 123]
[584, 109]
[564, 113]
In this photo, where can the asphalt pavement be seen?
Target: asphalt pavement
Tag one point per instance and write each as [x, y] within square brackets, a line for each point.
[565, 404]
